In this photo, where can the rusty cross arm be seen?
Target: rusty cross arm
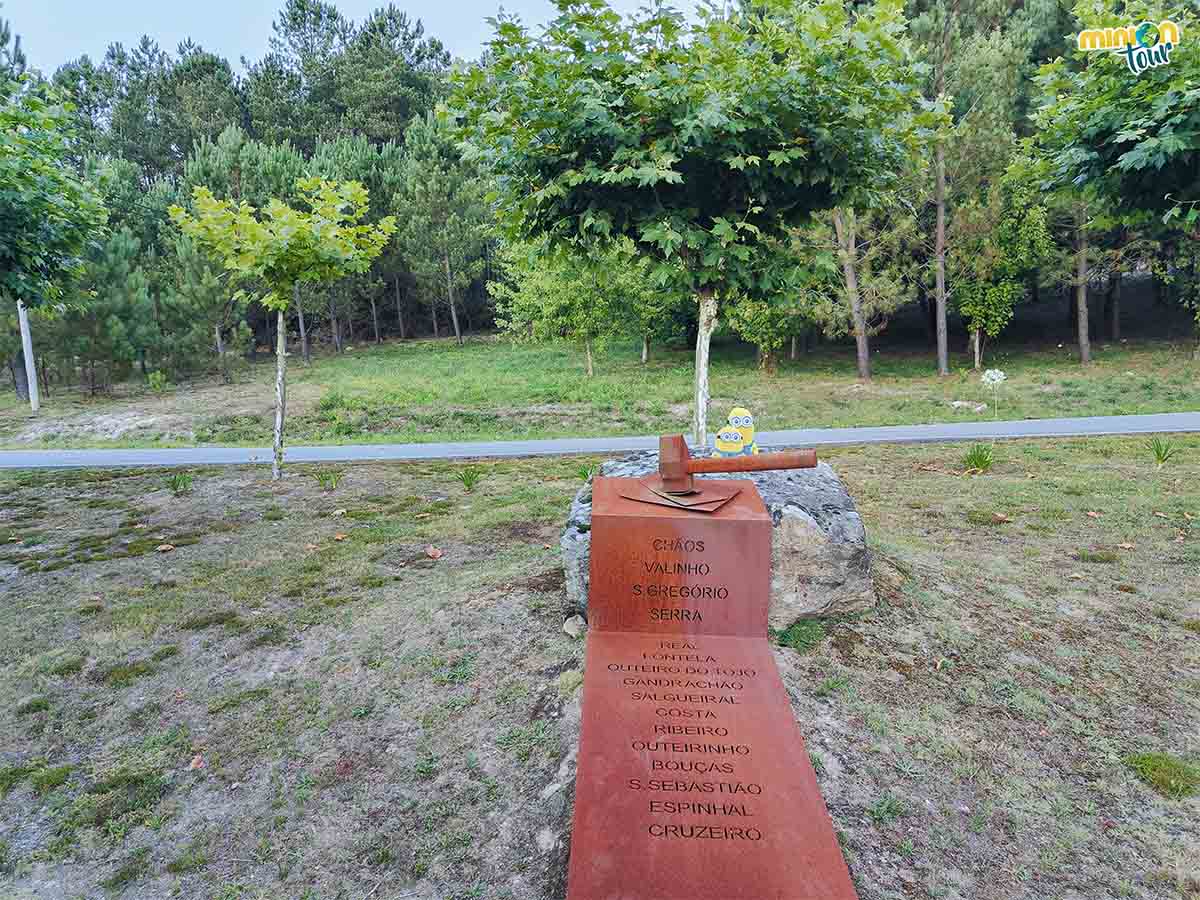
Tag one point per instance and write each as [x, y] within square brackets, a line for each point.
[676, 465]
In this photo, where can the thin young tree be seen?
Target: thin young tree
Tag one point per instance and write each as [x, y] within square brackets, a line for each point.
[281, 247]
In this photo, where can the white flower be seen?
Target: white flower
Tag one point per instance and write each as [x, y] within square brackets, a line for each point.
[993, 377]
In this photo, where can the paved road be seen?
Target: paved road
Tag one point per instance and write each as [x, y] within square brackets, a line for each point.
[806, 437]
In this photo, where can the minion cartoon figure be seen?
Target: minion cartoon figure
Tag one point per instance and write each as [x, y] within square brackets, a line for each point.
[728, 443]
[742, 422]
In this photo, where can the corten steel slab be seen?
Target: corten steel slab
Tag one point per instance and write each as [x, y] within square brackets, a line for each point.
[666, 570]
[693, 781]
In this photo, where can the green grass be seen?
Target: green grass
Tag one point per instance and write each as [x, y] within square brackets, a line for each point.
[1171, 776]
[491, 389]
[803, 635]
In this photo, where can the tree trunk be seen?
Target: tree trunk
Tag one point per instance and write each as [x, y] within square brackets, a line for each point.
[280, 393]
[1112, 312]
[794, 354]
[939, 258]
[706, 326]
[846, 250]
[375, 320]
[300, 320]
[20, 376]
[433, 312]
[587, 347]
[399, 310]
[335, 327]
[645, 349]
[1081, 283]
[977, 347]
[221, 353]
[31, 382]
[450, 297]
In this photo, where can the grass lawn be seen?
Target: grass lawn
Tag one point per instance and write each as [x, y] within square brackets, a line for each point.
[358, 686]
[490, 389]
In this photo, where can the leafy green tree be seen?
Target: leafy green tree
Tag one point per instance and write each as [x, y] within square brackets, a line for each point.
[698, 141]
[1128, 143]
[445, 219]
[280, 247]
[999, 241]
[548, 294]
[49, 218]
[973, 72]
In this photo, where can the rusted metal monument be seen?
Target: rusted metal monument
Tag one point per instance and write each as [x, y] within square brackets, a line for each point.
[693, 780]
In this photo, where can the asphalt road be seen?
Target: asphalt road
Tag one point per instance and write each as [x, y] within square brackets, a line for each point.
[1160, 423]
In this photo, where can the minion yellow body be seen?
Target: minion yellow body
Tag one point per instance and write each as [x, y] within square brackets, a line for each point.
[728, 443]
[741, 421]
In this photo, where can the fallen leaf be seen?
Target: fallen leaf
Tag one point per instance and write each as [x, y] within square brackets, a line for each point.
[1126, 546]
[433, 552]
[340, 536]
[140, 525]
[545, 546]
[180, 696]
[1179, 539]
[1188, 516]
[165, 548]
[999, 518]
[1162, 515]
[421, 516]
[196, 763]
[310, 546]
[338, 513]
[1076, 575]
[1092, 514]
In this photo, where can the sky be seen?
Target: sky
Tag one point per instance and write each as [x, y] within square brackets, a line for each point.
[56, 31]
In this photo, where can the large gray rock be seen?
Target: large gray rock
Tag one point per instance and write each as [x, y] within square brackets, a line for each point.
[820, 565]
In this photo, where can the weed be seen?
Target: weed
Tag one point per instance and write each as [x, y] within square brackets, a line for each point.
[46, 779]
[1192, 625]
[985, 517]
[802, 636]
[7, 862]
[523, 741]
[121, 675]
[427, 766]
[129, 871]
[469, 476]
[32, 705]
[979, 459]
[329, 479]
[832, 685]
[200, 621]
[273, 514]
[458, 671]
[164, 653]
[1162, 449]
[180, 483]
[11, 776]
[238, 698]
[194, 856]
[157, 382]
[1170, 775]
[70, 665]
[887, 808]
[586, 473]
[1095, 556]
